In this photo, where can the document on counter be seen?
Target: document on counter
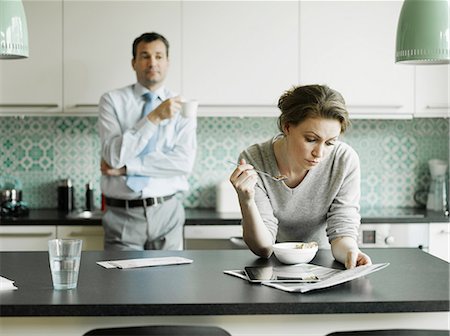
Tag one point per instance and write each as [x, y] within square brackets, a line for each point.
[144, 262]
[326, 277]
[6, 284]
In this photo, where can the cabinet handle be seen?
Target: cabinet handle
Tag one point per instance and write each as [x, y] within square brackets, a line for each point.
[29, 105]
[444, 232]
[437, 107]
[368, 106]
[85, 234]
[238, 105]
[368, 111]
[85, 105]
[237, 110]
[18, 234]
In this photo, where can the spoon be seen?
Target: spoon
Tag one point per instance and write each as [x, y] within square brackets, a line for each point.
[277, 178]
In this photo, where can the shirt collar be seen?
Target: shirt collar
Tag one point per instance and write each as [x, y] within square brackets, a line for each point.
[139, 90]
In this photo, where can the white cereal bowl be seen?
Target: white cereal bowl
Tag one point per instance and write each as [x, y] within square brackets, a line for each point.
[290, 253]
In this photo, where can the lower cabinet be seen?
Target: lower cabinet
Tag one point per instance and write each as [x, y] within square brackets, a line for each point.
[92, 235]
[440, 240]
[26, 237]
[196, 237]
[36, 237]
[213, 237]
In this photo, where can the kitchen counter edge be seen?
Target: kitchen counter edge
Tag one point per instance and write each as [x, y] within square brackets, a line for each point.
[197, 216]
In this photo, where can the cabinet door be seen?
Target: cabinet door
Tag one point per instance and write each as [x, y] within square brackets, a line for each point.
[432, 91]
[98, 37]
[26, 237]
[91, 235]
[34, 84]
[213, 237]
[440, 240]
[243, 54]
[350, 46]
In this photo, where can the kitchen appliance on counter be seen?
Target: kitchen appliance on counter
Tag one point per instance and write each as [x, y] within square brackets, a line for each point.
[436, 197]
[11, 203]
[226, 198]
[437, 193]
[89, 201]
[66, 200]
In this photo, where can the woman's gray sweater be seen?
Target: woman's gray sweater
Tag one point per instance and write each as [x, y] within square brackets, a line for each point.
[325, 204]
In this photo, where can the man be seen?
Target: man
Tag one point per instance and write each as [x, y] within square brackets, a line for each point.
[148, 151]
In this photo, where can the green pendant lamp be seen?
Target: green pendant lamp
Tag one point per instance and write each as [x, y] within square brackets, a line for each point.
[423, 35]
[13, 30]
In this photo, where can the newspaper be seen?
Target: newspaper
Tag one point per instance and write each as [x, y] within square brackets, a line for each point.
[144, 262]
[328, 277]
[6, 284]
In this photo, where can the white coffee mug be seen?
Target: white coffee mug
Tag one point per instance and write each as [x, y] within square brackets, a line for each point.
[189, 108]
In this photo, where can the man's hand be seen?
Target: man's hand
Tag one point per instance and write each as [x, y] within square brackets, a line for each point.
[166, 110]
[106, 169]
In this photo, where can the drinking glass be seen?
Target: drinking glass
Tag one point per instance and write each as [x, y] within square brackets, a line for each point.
[64, 256]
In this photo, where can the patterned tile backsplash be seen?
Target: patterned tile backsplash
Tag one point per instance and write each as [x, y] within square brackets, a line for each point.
[42, 150]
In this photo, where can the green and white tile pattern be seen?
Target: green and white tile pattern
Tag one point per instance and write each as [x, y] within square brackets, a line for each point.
[42, 150]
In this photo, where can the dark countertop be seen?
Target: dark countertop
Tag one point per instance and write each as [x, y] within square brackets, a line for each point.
[209, 216]
[414, 282]
[55, 217]
[401, 215]
[48, 217]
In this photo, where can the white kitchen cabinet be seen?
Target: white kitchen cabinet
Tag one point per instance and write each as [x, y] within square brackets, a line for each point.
[440, 240]
[213, 237]
[92, 235]
[239, 56]
[34, 85]
[350, 46]
[432, 91]
[36, 237]
[98, 37]
[26, 237]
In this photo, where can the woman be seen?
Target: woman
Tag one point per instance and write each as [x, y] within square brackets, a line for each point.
[319, 200]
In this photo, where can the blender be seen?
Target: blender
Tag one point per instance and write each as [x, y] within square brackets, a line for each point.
[437, 193]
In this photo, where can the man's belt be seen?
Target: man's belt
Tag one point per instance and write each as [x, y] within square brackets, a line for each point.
[120, 203]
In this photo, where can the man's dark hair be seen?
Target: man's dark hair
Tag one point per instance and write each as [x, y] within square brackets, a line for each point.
[150, 37]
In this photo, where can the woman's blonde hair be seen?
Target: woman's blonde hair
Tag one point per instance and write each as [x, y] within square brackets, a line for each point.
[312, 101]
